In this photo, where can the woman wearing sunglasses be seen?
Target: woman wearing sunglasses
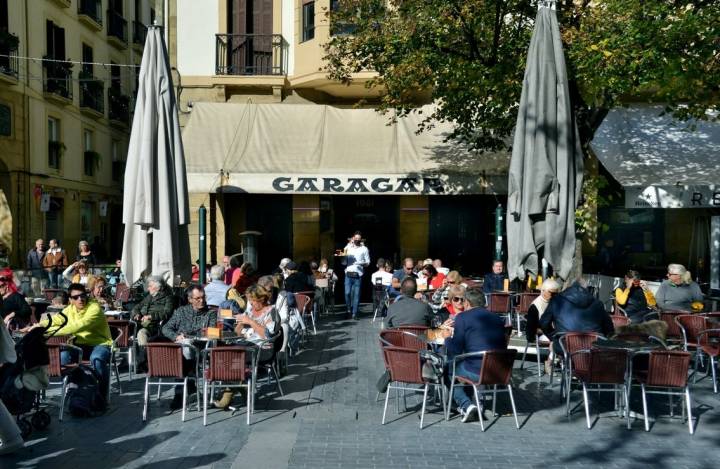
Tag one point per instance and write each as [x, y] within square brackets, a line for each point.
[13, 308]
[454, 304]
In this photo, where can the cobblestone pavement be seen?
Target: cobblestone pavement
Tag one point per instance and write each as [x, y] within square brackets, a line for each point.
[329, 418]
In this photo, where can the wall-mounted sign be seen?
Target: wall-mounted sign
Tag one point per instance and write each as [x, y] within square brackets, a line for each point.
[672, 197]
[102, 206]
[45, 202]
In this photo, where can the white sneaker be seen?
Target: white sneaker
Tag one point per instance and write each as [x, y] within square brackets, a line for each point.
[469, 413]
[12, 446]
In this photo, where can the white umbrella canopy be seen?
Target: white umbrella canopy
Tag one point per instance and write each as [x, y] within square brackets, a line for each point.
[155, 199]
[546, 168]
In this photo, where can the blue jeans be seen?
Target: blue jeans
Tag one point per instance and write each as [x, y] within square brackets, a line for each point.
[99, 359]
[463, 395]
[352, 294]
[56, 278]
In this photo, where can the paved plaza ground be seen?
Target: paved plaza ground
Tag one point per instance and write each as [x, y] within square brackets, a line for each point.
[329, 418]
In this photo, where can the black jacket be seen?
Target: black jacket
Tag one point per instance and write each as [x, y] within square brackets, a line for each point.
[409, 311]
[494, 282]
[575, 310]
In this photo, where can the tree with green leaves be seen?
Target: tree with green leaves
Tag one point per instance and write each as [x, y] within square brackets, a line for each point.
[468, 56]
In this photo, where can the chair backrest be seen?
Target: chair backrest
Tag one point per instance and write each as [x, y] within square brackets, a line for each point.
[572, 342]
[499, 302]
[164, 360]
[668, 317]
[607, 366]
[691, 325]
[125, 327]
[619, 320]
[402, 338]
[416, 329]
[122, 292]
[227, 364]
[403, 364]
[618, 310]
[668, 368]
[497, 366]
[303, 302]
[54, 368]
[116, 334]
[713, 314]
[58, 340]
[524, 301]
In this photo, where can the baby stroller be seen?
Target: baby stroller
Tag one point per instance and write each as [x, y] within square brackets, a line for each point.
[22, 383]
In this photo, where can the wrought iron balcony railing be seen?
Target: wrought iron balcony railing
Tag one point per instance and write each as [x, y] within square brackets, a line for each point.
[117, 26]
[57, 78]
[9, 44]
[92, 94]
[119, 106]
[250, 54]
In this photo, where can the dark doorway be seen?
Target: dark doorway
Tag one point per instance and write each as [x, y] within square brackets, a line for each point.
[272, 216]
[376, 217]
[462, 231]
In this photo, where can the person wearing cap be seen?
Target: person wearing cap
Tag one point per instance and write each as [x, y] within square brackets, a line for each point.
[13, 309]
[358, 257]
[679, 291]
[77, 272]
[297, 281]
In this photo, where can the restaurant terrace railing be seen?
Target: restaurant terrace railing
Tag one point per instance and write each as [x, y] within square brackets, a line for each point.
[250, 54]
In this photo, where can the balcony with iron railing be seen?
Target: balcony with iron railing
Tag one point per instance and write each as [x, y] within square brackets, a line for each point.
[118, 107]
[117, 29]
[90, 13]
[9, 44]
[250, 54]
[57, 80]
[139, 33]
[92, 96]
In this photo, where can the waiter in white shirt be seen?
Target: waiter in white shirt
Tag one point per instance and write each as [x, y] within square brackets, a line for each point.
[358, 257]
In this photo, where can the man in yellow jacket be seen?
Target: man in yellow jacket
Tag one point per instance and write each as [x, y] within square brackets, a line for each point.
[86, 321]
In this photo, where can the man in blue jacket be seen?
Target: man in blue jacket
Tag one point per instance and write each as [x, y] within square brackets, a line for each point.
[475, 330]
[575, 310]
[495, 280]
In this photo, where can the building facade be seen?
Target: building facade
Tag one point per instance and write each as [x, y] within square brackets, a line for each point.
[260, 57]
[66, 103]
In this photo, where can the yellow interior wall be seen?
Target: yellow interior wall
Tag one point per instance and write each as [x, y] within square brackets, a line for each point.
[306, 227]
[414, 226]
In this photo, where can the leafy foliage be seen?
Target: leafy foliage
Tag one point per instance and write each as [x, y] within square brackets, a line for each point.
[469, 57]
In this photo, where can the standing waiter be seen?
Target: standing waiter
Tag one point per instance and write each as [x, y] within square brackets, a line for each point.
[358, 257]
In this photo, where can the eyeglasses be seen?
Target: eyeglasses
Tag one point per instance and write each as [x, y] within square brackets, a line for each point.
[79, 296]
[458, 299]
[198, 298]
[451, 282]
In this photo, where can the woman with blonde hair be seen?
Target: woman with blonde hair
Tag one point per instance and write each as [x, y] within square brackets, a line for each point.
[678, 291]
[78, 272]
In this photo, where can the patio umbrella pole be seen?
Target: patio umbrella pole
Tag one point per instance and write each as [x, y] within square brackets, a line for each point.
[202, 211]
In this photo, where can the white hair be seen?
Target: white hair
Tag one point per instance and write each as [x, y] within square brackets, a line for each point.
[550, 284]
[155, 279]
[680, 270]
[217, 272]
[284, 261]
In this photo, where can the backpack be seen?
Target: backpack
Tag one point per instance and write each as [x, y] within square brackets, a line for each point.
[84, 396]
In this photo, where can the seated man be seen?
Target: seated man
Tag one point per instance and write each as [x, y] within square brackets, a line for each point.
[86, 321]
[189, 320]
[216, 290]
[475, 330]
[407, 310]
[495, 280]
[575, 310]
[399, 275]
[154, 308]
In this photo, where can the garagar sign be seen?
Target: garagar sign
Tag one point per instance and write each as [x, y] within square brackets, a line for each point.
[672, 197]
[362, 185]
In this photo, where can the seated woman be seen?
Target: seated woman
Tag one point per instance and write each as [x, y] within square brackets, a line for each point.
[14, 309]
[259, 322]
[679, 291]
[98, 292]
[454, 304]
[636, 299]
[549, 288]
[433, 277]
[78, 272]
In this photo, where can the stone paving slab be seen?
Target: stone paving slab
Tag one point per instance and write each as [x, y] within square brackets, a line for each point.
[329, 418]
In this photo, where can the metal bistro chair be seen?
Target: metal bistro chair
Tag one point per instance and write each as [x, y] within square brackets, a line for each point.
[691, 325]
[496, 370]
[117, 334]
[570, 343]
[304, 306]
[126, 342]
[524, 300]
[381, 299]
[399, 338]
[606, 368]
[667, 369]
[539, 345]
[405, 369]
[674, 334]
[228, 364]
[499, 303]
[269, 364]
[708, 342]
[56, 370]
[165, 361]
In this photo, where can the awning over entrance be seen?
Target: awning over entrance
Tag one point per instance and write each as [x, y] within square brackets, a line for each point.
[299, 148]
[661, 162]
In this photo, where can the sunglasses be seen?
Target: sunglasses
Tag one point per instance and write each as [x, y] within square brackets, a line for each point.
[80, 296]
[4, 279]
[458, 299]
